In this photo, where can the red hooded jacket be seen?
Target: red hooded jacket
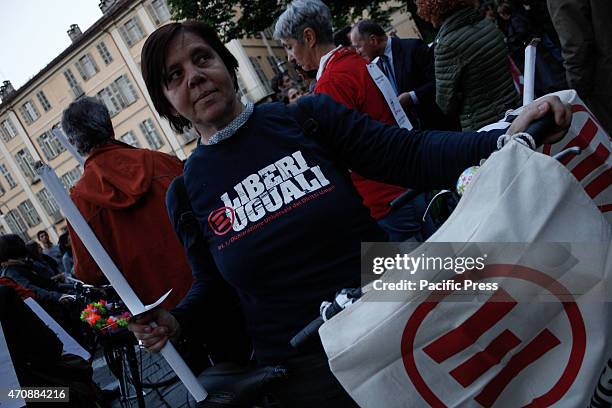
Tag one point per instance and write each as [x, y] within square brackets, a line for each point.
[347, 80]
[122, 195]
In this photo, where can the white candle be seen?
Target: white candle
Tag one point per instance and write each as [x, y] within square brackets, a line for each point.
[529, 72]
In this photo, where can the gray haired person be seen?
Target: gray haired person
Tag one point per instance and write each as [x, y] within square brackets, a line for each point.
[305, 29]
[121, 188]
[301, 14]
[87, 124]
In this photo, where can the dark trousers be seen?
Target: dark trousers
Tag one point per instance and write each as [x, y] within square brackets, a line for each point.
[311, 384]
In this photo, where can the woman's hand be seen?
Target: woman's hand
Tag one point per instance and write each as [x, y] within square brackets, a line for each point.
[60, 277]
[154, 339]
[539, 108]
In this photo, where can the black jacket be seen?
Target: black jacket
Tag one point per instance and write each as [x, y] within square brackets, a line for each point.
[413, 63]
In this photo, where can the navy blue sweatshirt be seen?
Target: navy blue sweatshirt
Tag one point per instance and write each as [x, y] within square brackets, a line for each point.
[280, 219]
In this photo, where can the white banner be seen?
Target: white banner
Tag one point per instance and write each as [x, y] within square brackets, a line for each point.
[383, 84]
[70, 345]
[8, 377]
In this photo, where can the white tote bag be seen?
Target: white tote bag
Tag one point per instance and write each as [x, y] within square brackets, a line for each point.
[405, 354]
[592, 168]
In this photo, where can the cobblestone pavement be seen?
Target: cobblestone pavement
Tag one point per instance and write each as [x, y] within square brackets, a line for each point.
[154, 368]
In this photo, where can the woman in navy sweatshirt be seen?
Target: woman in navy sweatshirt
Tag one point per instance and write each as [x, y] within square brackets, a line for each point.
[278, 222]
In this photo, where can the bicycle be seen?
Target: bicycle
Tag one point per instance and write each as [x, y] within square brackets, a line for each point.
[135, 369]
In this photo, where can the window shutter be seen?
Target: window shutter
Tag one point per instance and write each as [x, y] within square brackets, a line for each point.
[125, 36]
[79, 68]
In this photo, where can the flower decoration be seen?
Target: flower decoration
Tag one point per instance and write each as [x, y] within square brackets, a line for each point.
[101, 316]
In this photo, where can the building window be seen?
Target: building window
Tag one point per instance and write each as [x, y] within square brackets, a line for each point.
[86, 66]
[29, 112]
[72, 82]
[104, 53]
[260, 74]
[50, 145]
[26, 164]
[273, 61]
[69, 179]
[130, 139]
[8, 176]
[8, 130]
[2, 190]
[118, 95]
[131, 31]
[49, 204]
[29, 214]
[16, 224]
[159, 11]
[44, 102]
[151, 135]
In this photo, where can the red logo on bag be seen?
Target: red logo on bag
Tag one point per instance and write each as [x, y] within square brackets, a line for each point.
[488, 315]
[221, 220]
[592, 168]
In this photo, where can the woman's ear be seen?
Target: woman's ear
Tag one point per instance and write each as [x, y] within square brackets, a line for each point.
[310, 37]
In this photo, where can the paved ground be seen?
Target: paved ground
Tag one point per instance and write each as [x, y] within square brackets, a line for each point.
[154, 368]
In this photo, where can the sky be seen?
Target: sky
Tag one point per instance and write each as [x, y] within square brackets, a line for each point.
[33, 32]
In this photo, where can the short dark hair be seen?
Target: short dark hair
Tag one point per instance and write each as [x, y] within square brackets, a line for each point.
[87, 124]
[153, 64]
[64, 242]
[34, 250]
[341, 37]
[41, 232]
[369, 27]
[12, 247]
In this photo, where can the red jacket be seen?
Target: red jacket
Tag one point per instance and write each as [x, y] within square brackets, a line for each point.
[347, 80]
[122, 195]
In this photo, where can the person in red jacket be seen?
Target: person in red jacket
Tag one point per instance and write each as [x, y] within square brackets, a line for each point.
[122, 194]
[305, 29]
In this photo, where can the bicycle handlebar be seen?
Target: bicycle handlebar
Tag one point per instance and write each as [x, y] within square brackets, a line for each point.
[540, 128]
[306, 333]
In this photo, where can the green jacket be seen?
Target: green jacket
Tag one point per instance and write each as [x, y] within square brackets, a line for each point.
[473, 77]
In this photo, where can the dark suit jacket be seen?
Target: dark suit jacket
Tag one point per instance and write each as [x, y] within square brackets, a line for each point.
[413, 63]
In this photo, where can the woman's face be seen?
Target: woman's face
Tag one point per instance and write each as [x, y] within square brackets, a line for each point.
[199, 86]
[293, 95]
[300, 53]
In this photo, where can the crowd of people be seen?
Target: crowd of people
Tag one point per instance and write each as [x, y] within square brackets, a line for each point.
[504, 28]
[264, 220]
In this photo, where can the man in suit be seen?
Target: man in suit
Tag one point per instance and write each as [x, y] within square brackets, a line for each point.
[409, 66]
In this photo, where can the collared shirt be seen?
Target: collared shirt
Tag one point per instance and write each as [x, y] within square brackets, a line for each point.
[324, 60]
[233, 126]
